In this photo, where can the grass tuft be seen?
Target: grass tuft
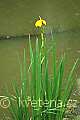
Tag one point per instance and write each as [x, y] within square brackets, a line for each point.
[36, 98]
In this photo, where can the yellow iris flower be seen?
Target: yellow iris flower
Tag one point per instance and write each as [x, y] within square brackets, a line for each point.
[40, 22]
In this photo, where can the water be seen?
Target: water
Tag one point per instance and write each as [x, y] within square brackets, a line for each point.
[18, 17]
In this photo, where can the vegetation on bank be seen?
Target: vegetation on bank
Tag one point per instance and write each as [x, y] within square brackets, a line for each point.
[40, 96]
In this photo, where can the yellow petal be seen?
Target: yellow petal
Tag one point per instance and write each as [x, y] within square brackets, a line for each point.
[38, 23]
[44, 22]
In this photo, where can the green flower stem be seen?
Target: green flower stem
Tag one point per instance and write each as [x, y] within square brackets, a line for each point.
[42, 52]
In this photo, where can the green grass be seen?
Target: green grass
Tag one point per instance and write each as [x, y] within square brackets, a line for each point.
[36, 84]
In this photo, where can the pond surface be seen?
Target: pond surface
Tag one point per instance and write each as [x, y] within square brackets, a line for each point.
[18, 17]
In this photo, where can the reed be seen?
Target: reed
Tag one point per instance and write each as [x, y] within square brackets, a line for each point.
[41, 97]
